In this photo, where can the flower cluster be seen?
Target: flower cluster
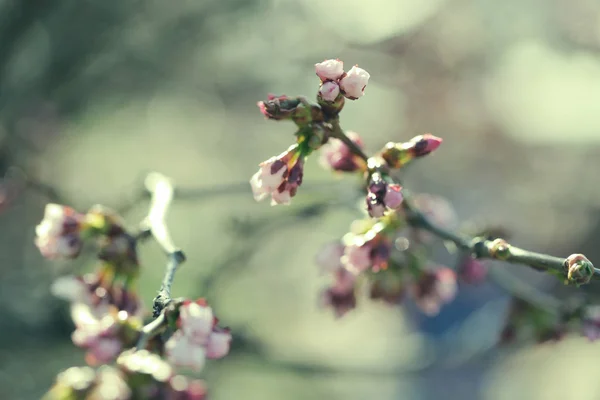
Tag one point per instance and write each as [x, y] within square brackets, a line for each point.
[136, 375]
[198, 337]
[107, 315]
[368, 252]
[336, 82]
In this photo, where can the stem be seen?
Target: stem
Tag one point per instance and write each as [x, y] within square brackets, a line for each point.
[482, 248]
[338, 133]
[162, 191]
[150, 330]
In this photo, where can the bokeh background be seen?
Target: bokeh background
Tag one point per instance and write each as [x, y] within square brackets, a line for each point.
[93, 94]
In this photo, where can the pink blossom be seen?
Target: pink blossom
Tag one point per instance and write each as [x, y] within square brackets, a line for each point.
[353, 84]
[329, 91]
[183, 352]
[382, 196]
[372, 254]
[100, 337]
[279, 177]
[58, 235]
[434, 289]
[330, 70]
[335, 155]
[184, 388]
[340, 295]
[218, 343]
[198, 336]
[100, 297]
[425, 144]
[110, 385]
[196, 320]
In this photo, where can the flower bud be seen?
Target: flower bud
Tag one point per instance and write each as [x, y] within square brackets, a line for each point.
[329, 70]
[579, 269]
[424, 144]
[336, 156]
[382, 196]
[279, 177]
[353, 84]
[59, 233]
[434, 289]
[329, 91]
[279, 107]
[500, 249]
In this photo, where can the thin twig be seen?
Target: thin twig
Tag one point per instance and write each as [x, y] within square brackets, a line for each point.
[150, 330]
[162, 192]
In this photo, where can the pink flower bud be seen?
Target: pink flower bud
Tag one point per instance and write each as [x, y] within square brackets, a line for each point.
[382, 195]
[181, 351]
[218, 344]
[372, 254]
[434, 289]
[340, 295]
[330, 70]
[279, 177]
[58, 235]
[353, 84]
[425, 144]
[196, 320]
[335, 155]
[393, 196]
[329, 91]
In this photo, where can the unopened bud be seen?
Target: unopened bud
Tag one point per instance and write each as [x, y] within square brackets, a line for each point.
[425, 144]
[279, 107]
[500, 249]
[579, 269]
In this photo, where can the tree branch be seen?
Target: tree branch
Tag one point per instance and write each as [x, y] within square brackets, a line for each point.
[161, 189]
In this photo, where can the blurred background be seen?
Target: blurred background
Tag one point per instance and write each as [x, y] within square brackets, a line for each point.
[93, 94]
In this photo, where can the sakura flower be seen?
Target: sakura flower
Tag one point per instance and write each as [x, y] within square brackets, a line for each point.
[279, 177]
[100, 296]
[330, 70]
[335, 155]
[329, 91]
[150, 370]
[198, 337]
[341, 295]
[196, 320]
[382, 196]
[353, 84]
[100, 337]
[372, 254]
[218, 343]
[183, 352]
[110, 385]
[184, 388]
[434, 289]
[591, 323]
[58, 235]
